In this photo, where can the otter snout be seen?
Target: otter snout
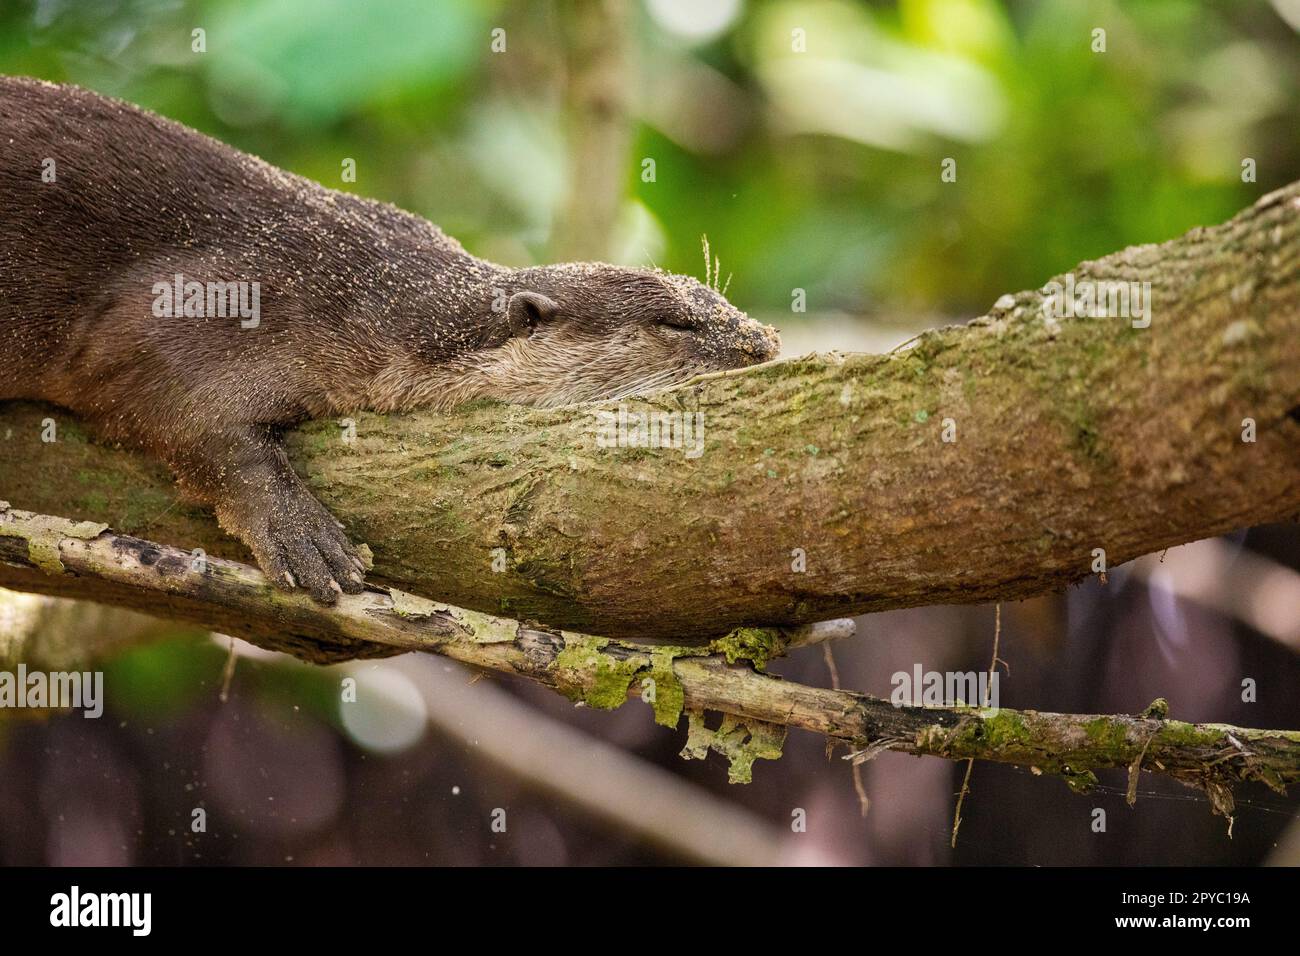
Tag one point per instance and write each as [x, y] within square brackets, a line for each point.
[758, 342]
[742, 341]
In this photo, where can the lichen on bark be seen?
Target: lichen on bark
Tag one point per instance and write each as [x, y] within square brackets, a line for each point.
[841, 456]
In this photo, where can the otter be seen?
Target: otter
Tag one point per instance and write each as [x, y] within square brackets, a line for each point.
[192, 301]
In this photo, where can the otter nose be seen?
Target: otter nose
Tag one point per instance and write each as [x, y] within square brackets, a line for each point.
[760, 342]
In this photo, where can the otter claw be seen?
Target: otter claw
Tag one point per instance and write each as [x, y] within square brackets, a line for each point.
[297, 543]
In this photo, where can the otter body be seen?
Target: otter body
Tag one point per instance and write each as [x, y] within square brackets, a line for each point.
[191, 300]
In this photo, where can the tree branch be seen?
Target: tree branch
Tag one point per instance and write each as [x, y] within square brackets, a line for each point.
[51, 555]
[597, 89]
[1070, 436]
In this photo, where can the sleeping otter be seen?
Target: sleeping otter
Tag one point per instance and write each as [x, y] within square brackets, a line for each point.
[191, 300]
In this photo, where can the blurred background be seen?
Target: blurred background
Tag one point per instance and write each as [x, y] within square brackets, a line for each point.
[805, 140]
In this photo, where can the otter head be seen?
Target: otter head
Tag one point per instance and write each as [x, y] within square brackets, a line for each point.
[588, 331]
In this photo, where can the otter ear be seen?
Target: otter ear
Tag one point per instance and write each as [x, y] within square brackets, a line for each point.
[527, 309]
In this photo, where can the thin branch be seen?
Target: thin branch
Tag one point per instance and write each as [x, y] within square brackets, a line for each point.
[988, 689]
[859, 788]
[52, 555]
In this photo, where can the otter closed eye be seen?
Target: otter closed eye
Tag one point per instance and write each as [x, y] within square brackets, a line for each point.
[354, 305]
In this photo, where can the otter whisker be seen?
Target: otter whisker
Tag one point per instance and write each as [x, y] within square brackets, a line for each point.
[672, 375]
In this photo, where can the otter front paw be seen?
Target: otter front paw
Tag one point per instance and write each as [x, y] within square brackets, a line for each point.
[297, 543]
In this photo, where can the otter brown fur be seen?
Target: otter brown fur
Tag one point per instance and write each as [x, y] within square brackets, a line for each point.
[356, 305]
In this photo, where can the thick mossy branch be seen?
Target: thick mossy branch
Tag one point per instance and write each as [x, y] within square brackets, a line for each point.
[49, 555]
[1070, 435]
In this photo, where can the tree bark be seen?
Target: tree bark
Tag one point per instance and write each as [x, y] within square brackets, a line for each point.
[1070, 436]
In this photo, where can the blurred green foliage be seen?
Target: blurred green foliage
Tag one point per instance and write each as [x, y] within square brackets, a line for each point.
[158, 682]
[815, 168]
